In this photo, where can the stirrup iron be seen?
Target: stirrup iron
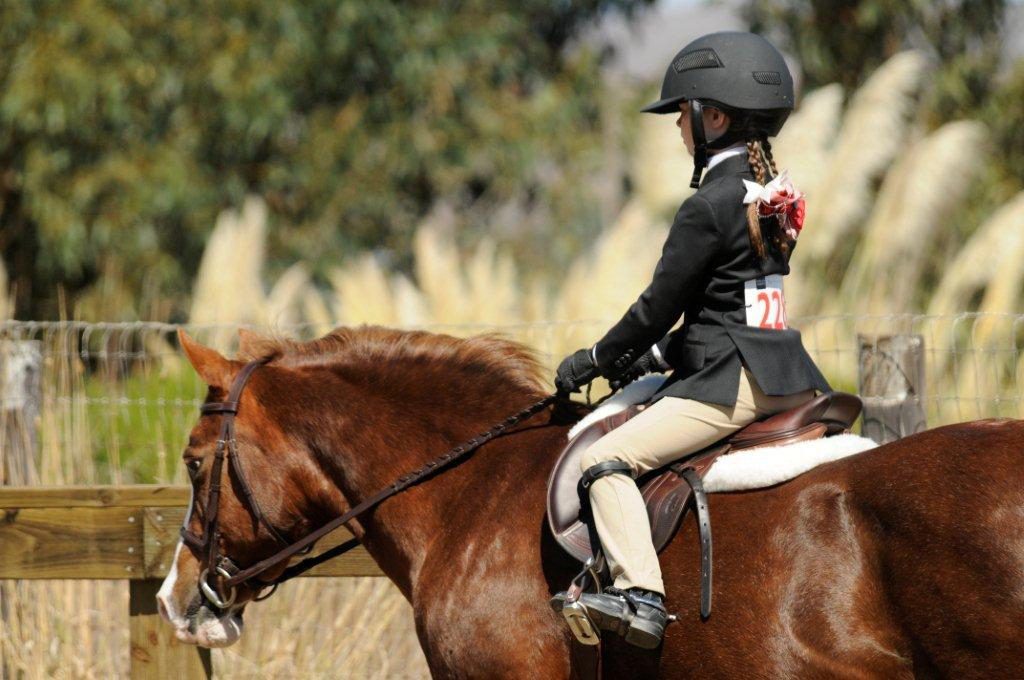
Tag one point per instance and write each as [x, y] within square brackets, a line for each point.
[576, 616]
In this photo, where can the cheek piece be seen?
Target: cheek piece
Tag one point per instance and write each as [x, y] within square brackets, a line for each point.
[700, 144]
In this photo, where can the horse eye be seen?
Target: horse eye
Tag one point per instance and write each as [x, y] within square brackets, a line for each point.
[193, 466]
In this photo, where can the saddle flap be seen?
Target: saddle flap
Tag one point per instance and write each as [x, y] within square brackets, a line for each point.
[563, 500]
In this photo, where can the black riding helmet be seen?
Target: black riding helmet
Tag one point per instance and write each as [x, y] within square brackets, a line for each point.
[740, 73]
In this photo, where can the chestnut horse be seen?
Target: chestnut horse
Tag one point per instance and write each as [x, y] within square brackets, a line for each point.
[905, 561]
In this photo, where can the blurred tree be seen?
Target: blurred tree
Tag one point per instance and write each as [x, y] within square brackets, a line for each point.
[126, 126]
[839, 41]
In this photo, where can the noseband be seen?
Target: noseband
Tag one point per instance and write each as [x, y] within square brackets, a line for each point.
[221, 568]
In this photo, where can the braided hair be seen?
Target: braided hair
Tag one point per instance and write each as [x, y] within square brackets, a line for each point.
[759, 155]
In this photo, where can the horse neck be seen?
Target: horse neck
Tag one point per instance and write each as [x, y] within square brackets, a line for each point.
[391, 425]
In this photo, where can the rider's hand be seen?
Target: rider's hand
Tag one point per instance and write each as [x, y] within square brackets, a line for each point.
[575, 371]
[648, 363]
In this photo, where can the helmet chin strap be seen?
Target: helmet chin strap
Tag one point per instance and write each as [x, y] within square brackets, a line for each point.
[734, 134]
[700, 144]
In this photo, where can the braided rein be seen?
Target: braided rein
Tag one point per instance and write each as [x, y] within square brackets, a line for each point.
[303, 545]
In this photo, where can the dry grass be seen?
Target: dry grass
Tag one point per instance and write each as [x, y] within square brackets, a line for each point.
[906, 226]
[63, 629]
[307, 631]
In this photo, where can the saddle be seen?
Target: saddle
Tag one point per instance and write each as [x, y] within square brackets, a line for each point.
[667, 490]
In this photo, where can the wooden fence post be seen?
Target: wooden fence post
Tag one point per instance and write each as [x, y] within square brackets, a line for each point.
[20, 367]
[156, 653]
[891, 375]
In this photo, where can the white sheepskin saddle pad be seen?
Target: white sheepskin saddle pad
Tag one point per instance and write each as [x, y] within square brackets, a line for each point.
[750, 468]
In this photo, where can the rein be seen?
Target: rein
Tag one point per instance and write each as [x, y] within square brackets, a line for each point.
[222, 566]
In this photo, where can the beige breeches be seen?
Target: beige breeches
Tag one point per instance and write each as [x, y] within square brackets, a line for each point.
[667, 430]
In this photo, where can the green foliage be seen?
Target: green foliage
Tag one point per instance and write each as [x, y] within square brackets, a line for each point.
[125, 127]
[138, 436]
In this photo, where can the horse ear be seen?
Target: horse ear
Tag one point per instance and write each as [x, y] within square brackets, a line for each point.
[212, 367]
[248, 341]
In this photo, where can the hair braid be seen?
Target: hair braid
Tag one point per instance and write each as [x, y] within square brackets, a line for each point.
[766, 148]
[759, 153]
[753, 218]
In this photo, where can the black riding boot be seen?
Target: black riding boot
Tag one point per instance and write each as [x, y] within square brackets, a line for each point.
[637, 615]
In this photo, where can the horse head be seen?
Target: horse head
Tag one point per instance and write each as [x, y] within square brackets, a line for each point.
[231, 522]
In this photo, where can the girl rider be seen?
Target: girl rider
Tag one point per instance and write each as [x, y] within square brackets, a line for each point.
[734, 360]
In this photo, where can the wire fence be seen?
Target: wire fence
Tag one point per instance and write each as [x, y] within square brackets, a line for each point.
[113, 402]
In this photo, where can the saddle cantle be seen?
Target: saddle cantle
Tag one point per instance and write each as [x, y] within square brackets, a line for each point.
[665, 490]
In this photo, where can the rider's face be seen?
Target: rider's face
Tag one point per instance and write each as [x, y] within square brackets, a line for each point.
[715, 124]
[683, 123]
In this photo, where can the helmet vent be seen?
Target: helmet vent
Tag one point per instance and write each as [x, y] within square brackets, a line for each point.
[697, 59]
[768, 77]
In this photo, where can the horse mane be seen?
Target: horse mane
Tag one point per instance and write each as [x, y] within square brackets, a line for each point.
[491, 353]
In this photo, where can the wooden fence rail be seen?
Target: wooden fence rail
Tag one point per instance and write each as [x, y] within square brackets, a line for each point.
[121, 532]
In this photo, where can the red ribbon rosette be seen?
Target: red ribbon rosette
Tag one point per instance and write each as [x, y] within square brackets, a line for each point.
[779, 197]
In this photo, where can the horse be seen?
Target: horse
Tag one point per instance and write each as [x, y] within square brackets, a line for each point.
[903, 561]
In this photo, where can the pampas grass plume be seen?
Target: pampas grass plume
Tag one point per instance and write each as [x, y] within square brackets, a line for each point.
[803, 147]
[228, 288]
[601, 285]
[362, 292]
[977, 261]
[492, 286]
[872, 133]
[804, 144]
[410, 307]
[438, 272]
[914, 204]
[283, 307]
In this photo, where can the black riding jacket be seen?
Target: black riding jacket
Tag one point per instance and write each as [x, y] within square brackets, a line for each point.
[704, 266]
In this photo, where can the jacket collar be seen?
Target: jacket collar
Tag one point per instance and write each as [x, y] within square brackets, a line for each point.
[730, 166]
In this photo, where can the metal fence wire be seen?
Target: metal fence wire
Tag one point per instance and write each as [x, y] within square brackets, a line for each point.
[113, 402]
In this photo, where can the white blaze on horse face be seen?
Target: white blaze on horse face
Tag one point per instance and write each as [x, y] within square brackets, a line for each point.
[174, 596]
[196, 625]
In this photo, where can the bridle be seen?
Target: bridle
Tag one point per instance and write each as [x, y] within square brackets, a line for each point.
[219, 567]
[209, 542]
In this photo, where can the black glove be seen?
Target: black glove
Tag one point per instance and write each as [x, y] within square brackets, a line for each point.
[575, 371]
[647, 363]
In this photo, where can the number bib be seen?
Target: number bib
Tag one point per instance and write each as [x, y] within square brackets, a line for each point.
[766, 306]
